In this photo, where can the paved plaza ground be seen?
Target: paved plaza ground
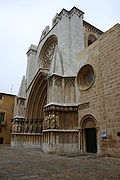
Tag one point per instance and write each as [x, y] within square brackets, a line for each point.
[30, 164]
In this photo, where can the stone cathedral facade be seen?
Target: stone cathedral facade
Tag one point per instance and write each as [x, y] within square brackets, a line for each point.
[69, 100]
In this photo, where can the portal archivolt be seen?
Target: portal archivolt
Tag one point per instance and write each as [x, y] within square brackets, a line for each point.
[37, 98]
[89, 134]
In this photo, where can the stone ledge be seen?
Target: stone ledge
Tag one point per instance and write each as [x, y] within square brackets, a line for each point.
[60, 130]
[32, 134]
[61, 107]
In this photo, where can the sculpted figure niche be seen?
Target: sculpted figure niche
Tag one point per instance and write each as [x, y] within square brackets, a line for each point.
[51, 121]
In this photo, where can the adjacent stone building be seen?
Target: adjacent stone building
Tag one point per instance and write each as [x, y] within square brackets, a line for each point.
[69, 100]
[6, 114]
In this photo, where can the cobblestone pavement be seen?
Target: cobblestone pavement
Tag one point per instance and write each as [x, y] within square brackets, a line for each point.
[30, 164]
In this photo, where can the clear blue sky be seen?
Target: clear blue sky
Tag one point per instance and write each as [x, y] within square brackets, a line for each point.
[21, 24]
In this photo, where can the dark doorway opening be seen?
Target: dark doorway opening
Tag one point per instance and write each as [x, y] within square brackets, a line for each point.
[1, 140]
[91, 141]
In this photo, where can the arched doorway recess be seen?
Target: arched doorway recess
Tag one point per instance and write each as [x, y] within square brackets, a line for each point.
[89, 134]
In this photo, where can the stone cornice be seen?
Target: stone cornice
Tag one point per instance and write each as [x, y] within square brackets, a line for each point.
[88, 25]
[61, 130]
[27, 134]
[83, 106]
[32, 49]
[65, 107]
[19, 97]
[7, 94]
[18, 118]
[61, 76]
[70, 13]
[61, 107]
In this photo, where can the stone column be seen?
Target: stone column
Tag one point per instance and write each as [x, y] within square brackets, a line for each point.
[98, 140]
[63, 90]
[81, 147]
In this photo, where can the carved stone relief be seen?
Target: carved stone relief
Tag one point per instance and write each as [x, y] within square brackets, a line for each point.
[27, 126]
[58, 89]
[69, 90]
[47, 56]
[51, 121]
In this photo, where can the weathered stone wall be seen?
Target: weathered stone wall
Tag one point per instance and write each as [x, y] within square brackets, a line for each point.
[26, 140]
[69, 24]
[103, 96]
[68, 120]
[50, 141]
[60, 141]
[58, 94]
[61, 90]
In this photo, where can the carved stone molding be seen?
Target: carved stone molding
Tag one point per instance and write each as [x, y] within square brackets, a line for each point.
[26, 126]
[58, 81]
[61, 108]
[61, 130]
[50, 82]
[91, 27]
[74, 10]
[69, 82]
[47, 52]
[48, 55]
[51, 121]
[83, 106]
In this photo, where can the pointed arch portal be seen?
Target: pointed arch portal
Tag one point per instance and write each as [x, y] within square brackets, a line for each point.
[37, 98]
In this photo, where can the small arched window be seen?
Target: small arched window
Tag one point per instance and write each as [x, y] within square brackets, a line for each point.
[91, 39]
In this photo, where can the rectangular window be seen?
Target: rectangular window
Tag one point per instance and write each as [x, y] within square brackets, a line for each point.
[2, 115]
[0, 97]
